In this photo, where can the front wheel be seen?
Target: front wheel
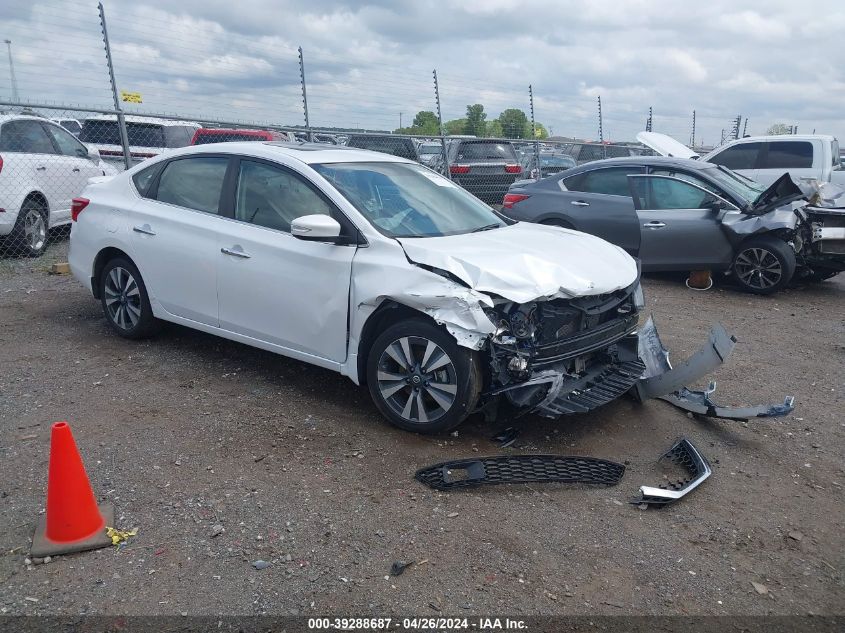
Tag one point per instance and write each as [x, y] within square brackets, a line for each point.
[764, 265]
[421, 379]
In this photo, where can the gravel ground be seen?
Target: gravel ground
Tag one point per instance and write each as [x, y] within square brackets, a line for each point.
[186, 432]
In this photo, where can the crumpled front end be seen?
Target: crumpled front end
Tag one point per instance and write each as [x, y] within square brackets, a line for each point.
[567, 355]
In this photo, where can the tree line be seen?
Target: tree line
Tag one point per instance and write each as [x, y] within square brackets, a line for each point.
[511, 123]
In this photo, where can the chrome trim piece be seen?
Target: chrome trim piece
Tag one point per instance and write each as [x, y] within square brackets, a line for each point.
[684, 454]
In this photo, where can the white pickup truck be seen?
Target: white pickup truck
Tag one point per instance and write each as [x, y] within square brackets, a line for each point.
[765, 158]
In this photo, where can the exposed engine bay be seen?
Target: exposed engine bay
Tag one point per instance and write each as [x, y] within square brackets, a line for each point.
[566, 355]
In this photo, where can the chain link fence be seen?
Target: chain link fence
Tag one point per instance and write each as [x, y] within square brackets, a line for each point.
[68, 117]
[49, 153]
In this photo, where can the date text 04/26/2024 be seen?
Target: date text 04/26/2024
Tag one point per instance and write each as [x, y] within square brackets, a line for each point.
[416, 624]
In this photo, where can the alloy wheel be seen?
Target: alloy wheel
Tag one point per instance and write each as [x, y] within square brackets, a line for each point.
[417, 379]
[122, 298]
[35, 230]
[758, 268]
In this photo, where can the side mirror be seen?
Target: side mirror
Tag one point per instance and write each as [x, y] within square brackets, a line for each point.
[316, 228]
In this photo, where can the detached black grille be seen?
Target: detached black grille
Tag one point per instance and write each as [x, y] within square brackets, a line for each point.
[605, 387]
[512, 469]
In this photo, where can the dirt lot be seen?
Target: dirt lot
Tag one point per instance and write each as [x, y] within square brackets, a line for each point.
[186, 431]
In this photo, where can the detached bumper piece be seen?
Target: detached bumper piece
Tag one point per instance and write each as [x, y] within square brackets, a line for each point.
[685, 455]
[660, 378]
[699, 402]
[517, 469]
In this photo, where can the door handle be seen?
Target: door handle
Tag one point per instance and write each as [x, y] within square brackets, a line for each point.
[40, 168]
[75, 169]
[231, 251]
[654, 224]
[146, 230]
[579, 203]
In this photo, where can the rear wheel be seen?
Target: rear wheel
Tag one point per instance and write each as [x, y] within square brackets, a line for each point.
[764, 265]
[421, 379]
[126, 304]
[29, 236]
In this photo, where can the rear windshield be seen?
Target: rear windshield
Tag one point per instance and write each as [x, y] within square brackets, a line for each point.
[556, 161]
[429, 149]
[486, 150]
[205, 137]
[107, 133]
[402, 147]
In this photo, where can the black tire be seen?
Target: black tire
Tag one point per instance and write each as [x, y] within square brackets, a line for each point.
[412, 398]
[29, 235]
[763, 265]
[125, 302]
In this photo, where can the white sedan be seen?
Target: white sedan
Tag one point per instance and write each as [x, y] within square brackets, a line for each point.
[366, 264]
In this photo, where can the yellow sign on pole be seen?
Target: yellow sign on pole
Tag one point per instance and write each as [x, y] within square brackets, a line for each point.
[130, 97]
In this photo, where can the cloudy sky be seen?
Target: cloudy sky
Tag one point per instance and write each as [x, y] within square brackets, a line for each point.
[367, 62]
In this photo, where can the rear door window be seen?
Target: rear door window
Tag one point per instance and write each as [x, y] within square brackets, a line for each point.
[25, 136]
[194, 183]
[788, 155]
[741, 156]
[611, 181]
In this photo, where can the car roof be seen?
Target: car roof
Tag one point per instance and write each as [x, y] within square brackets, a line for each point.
[143, 119]
[782, 137]
[4, 118]
[647, 161]
[308, 153]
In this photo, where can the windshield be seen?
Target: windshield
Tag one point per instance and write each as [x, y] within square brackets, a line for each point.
[405, 200]
[739, 186]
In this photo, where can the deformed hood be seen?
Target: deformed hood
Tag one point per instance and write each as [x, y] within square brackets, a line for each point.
[523, 262]
[781, 192]
[665, 145]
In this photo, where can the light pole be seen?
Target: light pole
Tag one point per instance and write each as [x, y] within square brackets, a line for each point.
[15, 96]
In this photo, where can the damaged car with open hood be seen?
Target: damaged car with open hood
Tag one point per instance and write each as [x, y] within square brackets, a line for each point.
[678, 214]
[375, 267]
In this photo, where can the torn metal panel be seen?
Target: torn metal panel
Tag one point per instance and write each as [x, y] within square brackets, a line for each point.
[685, 455]
[699, 402]
[660, 378]
[528, 262]
[782, 218]
[515, 469]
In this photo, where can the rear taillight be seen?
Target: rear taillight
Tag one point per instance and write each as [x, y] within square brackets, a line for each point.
[512, 198]
[459, 169]
[77, 206]
[513, 169]
[1, 163]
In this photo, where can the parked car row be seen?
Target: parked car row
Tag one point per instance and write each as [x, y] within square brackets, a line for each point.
[42, 168]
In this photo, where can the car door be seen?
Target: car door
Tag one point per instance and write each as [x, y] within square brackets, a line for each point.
[38, 162]
[79, 168]
[742, 157]
[598, 201]
[273, 286]
[175, 231]
[681, 224]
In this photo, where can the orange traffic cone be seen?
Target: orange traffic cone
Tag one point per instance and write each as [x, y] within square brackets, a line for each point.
[74, 522]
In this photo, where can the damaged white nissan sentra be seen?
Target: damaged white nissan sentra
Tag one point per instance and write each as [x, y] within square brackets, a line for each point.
[369, 265]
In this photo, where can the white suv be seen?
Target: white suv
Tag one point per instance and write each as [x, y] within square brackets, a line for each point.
[42, 168]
